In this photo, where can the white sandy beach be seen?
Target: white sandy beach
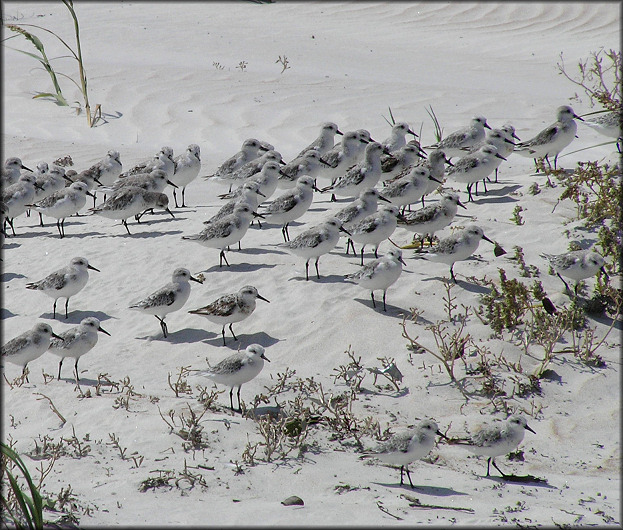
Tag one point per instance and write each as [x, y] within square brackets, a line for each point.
[169, 74]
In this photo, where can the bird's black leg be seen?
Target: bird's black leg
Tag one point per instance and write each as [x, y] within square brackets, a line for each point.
[361, 253]
[496, 174]
[76, 371]
[284, 231]
[488, 464]
[563, 281]
[232, 331]
[484, 183]
[223, 334]
[401, 473]
[239, 406]
[231, 398]
[175, 198]
[40, 219]
[452, 273]
[333, 197]
[125, 223]
[10, 221]
[184, 197]
[384, 306]
[307, 270]
[376, 249]
[66, 304]
[317, 273]
[25, 373]
[372, 296]
[54, 309]
[469, 193]
[496, 467]
[162, 325]
[409, 476]
[59, 368]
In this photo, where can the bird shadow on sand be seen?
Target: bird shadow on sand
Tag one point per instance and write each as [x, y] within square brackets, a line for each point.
[263, 249]
[239, 267]
[5, 313]
[142, 234]
[75, 316]
[392, 310]
[331, 278]
[244, 340]
[521, 479]
[424, 490]
[8, 276]
[187, 336]
[7, 246]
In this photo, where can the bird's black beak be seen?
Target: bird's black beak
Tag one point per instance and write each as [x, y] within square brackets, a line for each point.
[342, 229]
[486, 126]
[262, 298]
[381, 198]
[498, 155]
[577, 117]
[103, 330]
[26, 168]
[267, 359]
[166, 209]
[459, 203]
[58, 336]
[436, 180]
[93, 268]
[339, 132]
[196, 279]
[172, 184]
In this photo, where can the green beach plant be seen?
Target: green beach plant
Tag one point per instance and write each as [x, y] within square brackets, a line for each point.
[42, 57]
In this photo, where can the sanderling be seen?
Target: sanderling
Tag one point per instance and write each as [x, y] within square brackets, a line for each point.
[226, 231]
[576, 265]
[251, 168]
[496, 439]
[309, 163]
[361, 176]
[162, 160]
[76, 341]
[407, 446]
[16, 196]
[156, 180]
[607, 123]
[249, 194]
[325, 140]
[268, 178]
[167, 299]
[237, 369]
[64, 282]
[553, 139]
[380, 273]
[231, 308]
[106, 170]
[396, 140]
[453, 144]
[396, 162]
[375, 228]
[11, 171]
[476, 166]
[410, 187]
[187, 166]
[61, 204]
[502, 139]
[433, 217]
[457, 247]
[249, 151]
[291, 204]
[51, 181]
[130, 201]
[316, 241]
[342, 156]
[28, 346]
[361, 207]
[436, 165]
[89, 179]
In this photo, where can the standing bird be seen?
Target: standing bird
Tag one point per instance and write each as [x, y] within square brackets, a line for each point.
[553, 139]
[316, 241]
[366, 204]
[131, 201]
[187, 166]
[106, 170]
[249, 194]
[231, 308]
[380, 273]
[397, 161]
[576, 265]
[11, 171]
[455, 142]
[249, 151]
[396, 140]
[410, 187]
[237, 369]
[64, 203]
[225, 231]
[325, 140]
[291, 204]
[307, 164]
[64, 282]
[606, 123]
[48, 183]
[496, 439]
[474, 167]
[16, 196]
[457, 247]
[361, 176]
[28, 346]
[167, 299]
[433, 217]
[342, 156]
[267, 178]
[162, 160]
[406, 447]
[375, 228]
[251, 168]
[76, 341]
[502, 140]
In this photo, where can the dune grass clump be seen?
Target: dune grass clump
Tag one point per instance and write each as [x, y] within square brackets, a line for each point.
[42, 57]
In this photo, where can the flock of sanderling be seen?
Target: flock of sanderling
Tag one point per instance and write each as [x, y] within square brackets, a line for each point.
[353, 169]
